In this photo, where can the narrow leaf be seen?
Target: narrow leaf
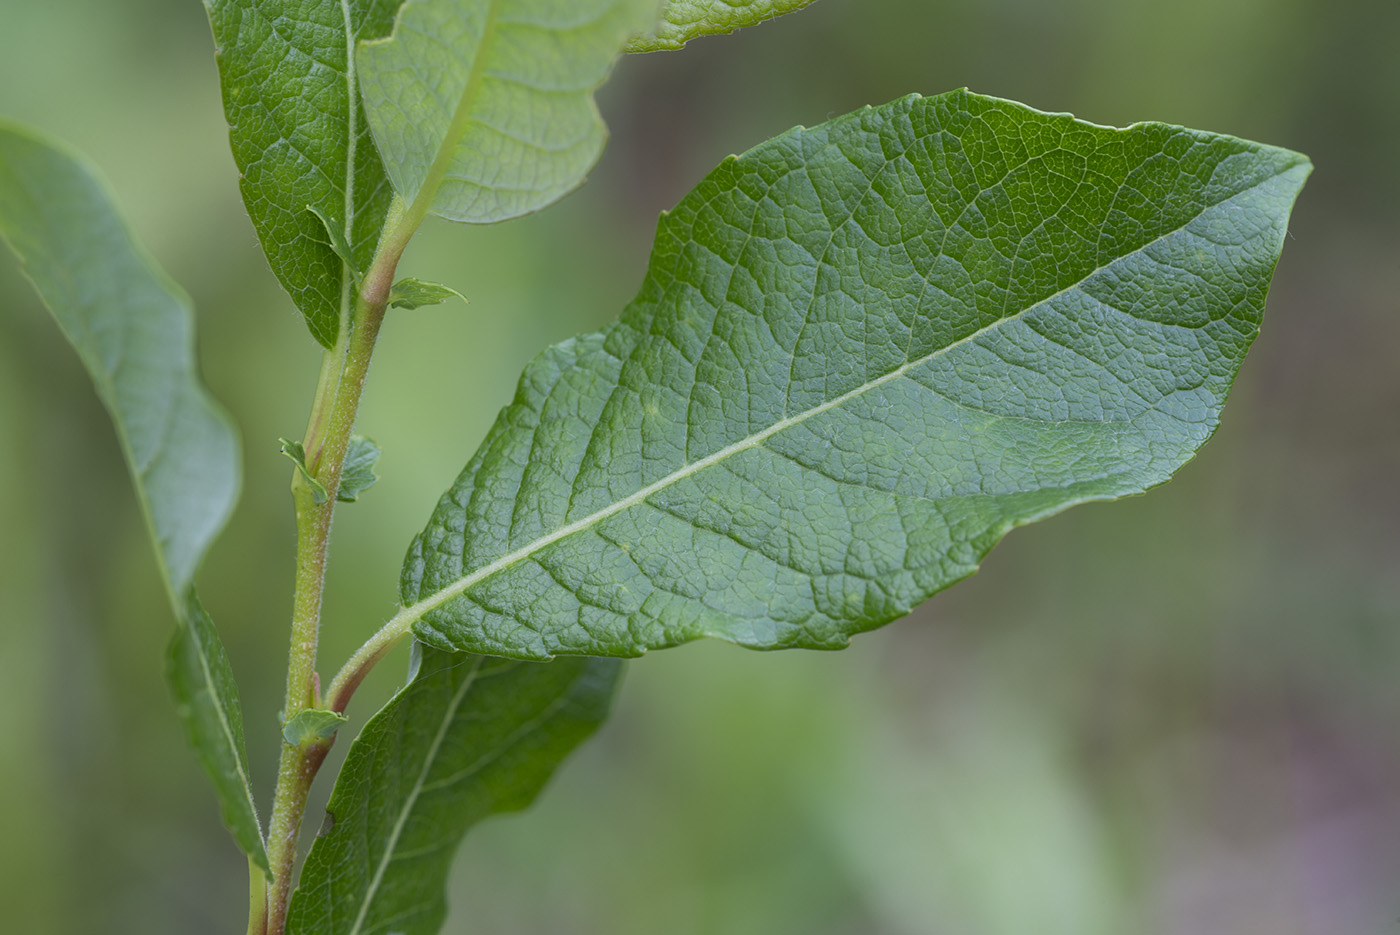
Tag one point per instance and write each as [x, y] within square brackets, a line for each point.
[311, 725]
[206, 699]
[297, 453]
[862, 353]
[299, 138]
[133, 329]
[415, 293]
[469, 737]
[484, 108]
[683, 20]
[357, 475]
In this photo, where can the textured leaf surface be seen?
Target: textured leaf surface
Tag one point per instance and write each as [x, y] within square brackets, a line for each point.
[300, 139]
[468, 737]
[683, 20]
[134, 331]
[861, 354]
[486, 106]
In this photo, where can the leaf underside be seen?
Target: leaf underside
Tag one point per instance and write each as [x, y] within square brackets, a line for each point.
[861, 354]
[133, 329]
[487, 105]
[300, 139]
[683, 20]
[468, 737]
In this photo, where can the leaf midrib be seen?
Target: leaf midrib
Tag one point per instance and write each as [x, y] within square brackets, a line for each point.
[416, 611]
[461, 118]
[227, 727]
[370, 891]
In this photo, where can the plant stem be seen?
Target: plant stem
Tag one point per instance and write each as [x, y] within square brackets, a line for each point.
[359, 665]
[257, 899]
[329, 428]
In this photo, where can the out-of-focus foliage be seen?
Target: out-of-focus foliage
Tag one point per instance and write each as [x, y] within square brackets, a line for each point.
[1170, 715]
[133, 330]
[683, 20]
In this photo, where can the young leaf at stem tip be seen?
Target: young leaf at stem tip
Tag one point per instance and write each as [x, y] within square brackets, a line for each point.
[299, 137]
[861, 354]
[337, 242]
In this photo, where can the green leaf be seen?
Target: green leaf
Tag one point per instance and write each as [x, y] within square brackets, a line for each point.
[469, 737]
[299, 139]
[134, 332]
[683, 20]
[357, 475]
[133, 328]
[206, 699]
[335, 234]
[311, 725]
[861, 354]
[297, 453]
[415, 293]
[484, 108]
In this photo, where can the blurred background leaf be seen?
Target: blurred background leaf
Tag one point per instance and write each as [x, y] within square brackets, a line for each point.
[1174, 714]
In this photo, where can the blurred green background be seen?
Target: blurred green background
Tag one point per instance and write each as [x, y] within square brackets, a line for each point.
[1174, 714]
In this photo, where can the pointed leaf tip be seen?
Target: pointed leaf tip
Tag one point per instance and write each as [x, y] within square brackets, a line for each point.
[683, 20]
[291, 153]
[416, 293]
[861, 354]
[297, 453]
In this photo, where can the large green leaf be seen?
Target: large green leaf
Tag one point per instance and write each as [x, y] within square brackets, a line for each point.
[861, 354]
[134, 331]
[300, 139]
[484, 108]
[468, 737]
[683, 20]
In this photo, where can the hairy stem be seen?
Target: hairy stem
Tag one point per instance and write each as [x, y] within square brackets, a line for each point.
[333, 413]
[257, 899]
[359, 665]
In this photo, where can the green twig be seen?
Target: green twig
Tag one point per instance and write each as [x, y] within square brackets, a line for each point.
[332, 421]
